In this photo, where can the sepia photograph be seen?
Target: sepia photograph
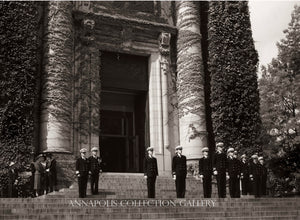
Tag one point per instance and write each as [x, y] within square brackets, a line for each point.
[150, 110]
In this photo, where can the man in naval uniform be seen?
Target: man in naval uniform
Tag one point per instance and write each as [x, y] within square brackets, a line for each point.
[95, 169]
[179, 171]
[205, 172]
[220, 169]
[238, 162]
[82, 172]
[150, 171]
[245, 175]
[263, 176]
[255, 176]
[234, 174]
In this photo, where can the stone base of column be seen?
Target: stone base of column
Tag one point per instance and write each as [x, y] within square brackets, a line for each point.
[192, 167]
[65, 168]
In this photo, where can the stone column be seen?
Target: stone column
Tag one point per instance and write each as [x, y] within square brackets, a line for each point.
[56, 106]
[190, 80]
[164, 48]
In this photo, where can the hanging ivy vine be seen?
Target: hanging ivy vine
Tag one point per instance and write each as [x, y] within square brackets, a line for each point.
[190, 85]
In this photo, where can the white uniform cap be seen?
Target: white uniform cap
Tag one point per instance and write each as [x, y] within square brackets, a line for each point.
[254, 156]
[94, 149]
[260, 158]
[83, 150]
[204, 149]
[220, 144]
[178, 147]
[150, 148]
[230, 150]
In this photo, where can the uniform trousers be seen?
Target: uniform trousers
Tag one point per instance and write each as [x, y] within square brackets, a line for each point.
[207, 186]
[221, 182]
[180, 186]
[151, 186]
[94, 183]
[82, 184]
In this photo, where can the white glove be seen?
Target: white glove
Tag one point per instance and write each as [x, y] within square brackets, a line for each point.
[201, 176]
[227, 177]
[145, 177]
[215, 172]
[174, 177]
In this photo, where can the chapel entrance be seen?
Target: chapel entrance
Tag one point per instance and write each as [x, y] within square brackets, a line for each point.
[124, 112]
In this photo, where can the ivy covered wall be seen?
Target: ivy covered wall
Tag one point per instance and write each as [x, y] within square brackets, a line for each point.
[18, 79]
[233, 64]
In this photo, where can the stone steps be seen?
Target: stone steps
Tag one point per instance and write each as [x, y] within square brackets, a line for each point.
[55, 208]
[100, 211]
[120, 185]
[182, 215]
[117, 189]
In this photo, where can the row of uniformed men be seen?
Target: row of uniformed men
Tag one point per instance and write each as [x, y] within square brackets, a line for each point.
[86, 167]
[253, 175]
[250, 176]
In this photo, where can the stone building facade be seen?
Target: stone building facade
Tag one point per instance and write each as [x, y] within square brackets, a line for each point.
[112, 74]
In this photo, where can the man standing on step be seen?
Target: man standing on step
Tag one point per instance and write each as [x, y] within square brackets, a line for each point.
[150, 171]
[238, 162]
[95, 169]
[82, 172]
[245, 175]
[263, 174]
[255, 176]
[234, 174]
[220, 169]
[179, 171]
[205, 172]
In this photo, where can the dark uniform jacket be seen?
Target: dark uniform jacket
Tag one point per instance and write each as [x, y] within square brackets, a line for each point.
[245, 170]
[95, 164]
[150, 167]
[205, 166]
[255, 169]
[263, 171]
[234, 167]
[82, 165]
[179, 166]
[220, 162]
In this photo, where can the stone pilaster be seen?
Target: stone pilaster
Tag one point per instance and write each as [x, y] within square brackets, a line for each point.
[56, 106]
[164, 48]
[190, 80]
[87, 87]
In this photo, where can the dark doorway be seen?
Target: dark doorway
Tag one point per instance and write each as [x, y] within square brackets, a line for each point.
[123, 123]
